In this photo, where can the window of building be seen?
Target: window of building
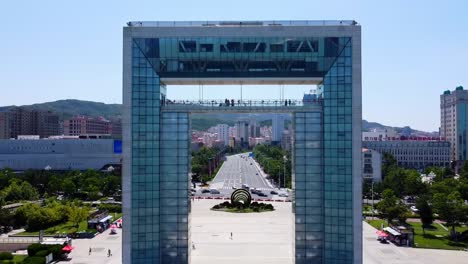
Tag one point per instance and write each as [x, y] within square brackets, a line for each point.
[187, 46]
[206, 47]
[276, 47]
[254, 47]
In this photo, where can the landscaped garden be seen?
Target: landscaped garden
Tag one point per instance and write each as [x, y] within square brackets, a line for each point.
[242, 208]
[435, 237]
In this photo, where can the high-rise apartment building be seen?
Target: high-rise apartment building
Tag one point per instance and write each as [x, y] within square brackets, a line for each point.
[242, 133]
[223, 133]
[82, 125]
[254, 129]
[454, 120]
[5, 125]
[277, 127]
[21, 121]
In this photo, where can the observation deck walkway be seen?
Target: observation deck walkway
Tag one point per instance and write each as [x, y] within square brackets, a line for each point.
[242, 106]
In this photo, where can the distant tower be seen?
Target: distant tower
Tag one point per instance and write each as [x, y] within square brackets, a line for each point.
[454, 120]
[277, 127]
[223, 133]
[242, 129]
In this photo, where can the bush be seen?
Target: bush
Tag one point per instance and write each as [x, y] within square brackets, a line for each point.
[42, 253]
[112, 208]
[6, 256]
[34, 260]
[34, 248]
[56, 251]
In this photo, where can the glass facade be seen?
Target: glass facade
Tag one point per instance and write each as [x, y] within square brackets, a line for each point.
[240, 57]
[338, 159]
[323, 140]
[308, 187]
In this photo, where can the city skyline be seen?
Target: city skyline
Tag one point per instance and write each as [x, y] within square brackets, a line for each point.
[402, 41]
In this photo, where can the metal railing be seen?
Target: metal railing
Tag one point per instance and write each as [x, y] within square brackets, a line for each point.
[18, 240]
[238, 104]
[241, 23]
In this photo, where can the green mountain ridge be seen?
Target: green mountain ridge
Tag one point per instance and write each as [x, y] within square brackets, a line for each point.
[72, 107]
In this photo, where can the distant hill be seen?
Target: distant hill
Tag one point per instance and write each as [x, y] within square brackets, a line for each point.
[71, 107]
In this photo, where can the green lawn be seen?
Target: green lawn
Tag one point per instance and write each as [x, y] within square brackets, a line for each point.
[436, 237]
[16, 259]
[67, 228]
[61, 228]
[377, 223]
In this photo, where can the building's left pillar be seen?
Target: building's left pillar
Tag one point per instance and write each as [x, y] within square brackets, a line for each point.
[141, 164]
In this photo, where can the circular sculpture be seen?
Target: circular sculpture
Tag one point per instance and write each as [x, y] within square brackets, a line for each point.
[241, 196]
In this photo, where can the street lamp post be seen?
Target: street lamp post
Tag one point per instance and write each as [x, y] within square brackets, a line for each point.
[284, 169]
[279, 178]
[372, 196]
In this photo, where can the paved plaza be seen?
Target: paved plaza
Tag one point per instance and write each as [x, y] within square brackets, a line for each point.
[260, 238]
[99, 247]
[378, 253]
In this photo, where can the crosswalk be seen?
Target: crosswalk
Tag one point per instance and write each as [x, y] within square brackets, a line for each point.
[230, 188]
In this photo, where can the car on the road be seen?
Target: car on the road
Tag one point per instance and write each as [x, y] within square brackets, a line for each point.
[245, 186]
[205, 191]
[274, 192]
[261, 194]
[283, 195]
[256, 173]
[250, 163]
[254, 190]
[214, 191]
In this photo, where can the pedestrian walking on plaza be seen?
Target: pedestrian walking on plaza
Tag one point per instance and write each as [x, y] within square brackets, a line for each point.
[193, 246]
[109, 253]
[90, 250]
[231, 235]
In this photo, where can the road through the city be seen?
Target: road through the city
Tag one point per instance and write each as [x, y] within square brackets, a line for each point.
[237, 170]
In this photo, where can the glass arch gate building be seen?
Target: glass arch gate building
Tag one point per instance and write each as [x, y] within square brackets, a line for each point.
[327, 132]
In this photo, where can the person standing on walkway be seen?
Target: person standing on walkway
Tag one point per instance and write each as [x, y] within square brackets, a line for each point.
[109, 253]
[90, 250]
[231, 235]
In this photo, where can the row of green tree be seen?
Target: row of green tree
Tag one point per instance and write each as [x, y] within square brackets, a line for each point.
[32, 184]
[205, 163]
[445, 197]
[34, 217]
[276, 162]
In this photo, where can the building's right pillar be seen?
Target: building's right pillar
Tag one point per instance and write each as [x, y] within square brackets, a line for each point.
[342, 180]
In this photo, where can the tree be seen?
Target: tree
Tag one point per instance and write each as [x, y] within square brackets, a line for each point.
[464, 171]
[395, 180]
[425, 211]
[69, 187]
[54, 185]
[388, 163]
[76, 215]
[450, 208]
[390, 207]
[413, 184]
[6, 217]
[111, 185]
[18, 191]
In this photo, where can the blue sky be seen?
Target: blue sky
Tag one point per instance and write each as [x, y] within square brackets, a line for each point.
[412, 50]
